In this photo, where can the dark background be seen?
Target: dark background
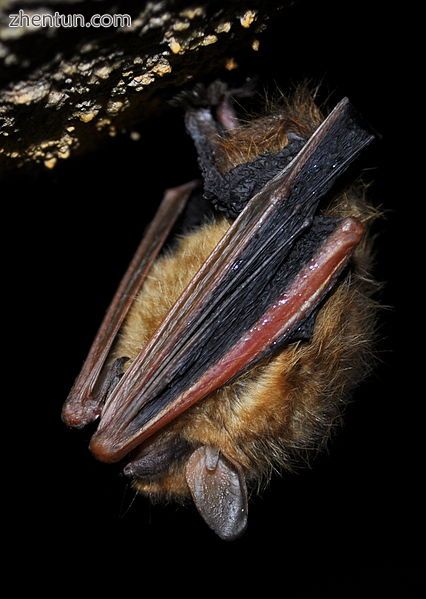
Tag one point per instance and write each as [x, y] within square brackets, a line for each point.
[351, 522]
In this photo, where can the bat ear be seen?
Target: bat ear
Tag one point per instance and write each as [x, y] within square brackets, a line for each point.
[218, 487]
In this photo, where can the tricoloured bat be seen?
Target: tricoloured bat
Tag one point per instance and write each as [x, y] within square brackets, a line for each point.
[244, 318]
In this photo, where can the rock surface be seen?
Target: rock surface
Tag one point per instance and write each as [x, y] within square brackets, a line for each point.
[63, 90]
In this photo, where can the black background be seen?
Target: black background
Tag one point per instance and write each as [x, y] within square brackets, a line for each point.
[351, 522]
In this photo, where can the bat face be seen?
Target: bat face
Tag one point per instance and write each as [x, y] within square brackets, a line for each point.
[245, 334]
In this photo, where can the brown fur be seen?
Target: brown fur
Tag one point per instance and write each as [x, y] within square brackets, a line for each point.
[269, 134]
[273, 416]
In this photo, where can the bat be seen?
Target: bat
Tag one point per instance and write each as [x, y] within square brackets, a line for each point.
[246, 315]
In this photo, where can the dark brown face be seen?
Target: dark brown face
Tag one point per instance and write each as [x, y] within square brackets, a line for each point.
[258, 291]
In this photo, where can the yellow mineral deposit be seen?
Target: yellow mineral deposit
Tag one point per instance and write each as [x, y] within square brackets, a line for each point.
[248, 18]
[231, 64]
[255, 45]
[50, 162]
[224, 27]
[175, 46]
[209, 39]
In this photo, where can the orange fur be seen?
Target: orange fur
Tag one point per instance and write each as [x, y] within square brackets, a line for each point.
[274, 415]
[166, 281]
[269, 134]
